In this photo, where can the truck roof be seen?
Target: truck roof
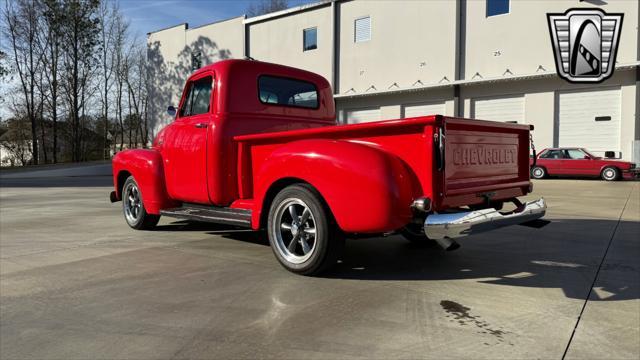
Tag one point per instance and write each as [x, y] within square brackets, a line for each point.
[256, 64]
[239, 93]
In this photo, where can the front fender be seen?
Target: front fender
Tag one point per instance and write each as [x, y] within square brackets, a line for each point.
[146, 167]
[368, 189]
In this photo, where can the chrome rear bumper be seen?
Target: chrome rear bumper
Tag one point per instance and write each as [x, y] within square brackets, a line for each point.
[460, 224]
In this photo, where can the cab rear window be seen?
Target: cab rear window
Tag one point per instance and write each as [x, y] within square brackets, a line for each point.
[281, 91]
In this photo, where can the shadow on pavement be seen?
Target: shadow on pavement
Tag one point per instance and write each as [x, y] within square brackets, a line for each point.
[564, 255]
[226, 231]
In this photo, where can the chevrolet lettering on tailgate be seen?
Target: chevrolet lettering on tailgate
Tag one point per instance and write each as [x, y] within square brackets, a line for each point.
[480, 155]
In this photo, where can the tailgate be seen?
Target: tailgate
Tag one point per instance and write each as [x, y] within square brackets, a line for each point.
[483, 160]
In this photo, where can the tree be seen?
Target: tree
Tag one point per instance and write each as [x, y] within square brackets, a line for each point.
[22, 29]
[261, 7]
[69, 63]
[4, 73]
[4, 68]
[53, 16]
[80, 36]
[109, 15]
[15, 139]
[120, 36]
[136, 79]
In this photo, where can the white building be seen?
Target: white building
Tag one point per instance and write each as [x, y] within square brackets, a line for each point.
[484, 59]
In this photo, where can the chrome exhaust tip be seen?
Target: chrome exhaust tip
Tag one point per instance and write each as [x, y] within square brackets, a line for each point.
[447, 244]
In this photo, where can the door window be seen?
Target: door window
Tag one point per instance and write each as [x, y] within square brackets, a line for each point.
[574, 154]
[552, 154]
[198, 98]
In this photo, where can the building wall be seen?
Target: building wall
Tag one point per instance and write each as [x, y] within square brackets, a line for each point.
[410, 41]
[391, 105]
[519, 41]
[280, 41]
[163, 49]
[169, 59]
[217, 41]
[541, 104]
[411, 57]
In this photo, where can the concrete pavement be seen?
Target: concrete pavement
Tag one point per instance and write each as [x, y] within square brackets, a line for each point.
[77, 283]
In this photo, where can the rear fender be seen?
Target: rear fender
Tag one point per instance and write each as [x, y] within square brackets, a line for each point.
[367, 189]
[145, 165]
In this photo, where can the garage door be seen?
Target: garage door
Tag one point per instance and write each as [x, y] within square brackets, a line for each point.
[590, 119]
[503, 108]
[356, 116]
[414, 110]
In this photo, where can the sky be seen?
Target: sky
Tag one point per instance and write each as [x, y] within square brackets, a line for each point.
[150, 15]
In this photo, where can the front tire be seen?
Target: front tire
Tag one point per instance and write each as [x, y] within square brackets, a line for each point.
[610, 173]
[133, 208]
[538, 172]
[302, 232]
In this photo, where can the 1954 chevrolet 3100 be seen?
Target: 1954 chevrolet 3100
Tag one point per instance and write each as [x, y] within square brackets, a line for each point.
[256, 145]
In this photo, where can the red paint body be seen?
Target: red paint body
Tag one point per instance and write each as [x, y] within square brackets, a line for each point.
[243, 151]
[586, 165]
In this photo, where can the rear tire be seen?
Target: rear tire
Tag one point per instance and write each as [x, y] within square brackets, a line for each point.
[135, 214]
[610, 173]
[538, 172]
[302, 232]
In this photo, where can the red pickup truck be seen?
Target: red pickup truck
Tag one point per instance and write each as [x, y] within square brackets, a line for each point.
[257, 145]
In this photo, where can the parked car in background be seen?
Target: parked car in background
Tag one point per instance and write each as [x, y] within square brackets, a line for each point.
[580, 162]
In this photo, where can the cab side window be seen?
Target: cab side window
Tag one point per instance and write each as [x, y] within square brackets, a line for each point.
[198, 100]
[552, 154]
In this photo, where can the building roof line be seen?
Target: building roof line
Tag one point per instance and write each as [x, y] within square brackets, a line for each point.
[256, 19]
[185, 24]
[217, 22]
[468, 82]
[286, 12]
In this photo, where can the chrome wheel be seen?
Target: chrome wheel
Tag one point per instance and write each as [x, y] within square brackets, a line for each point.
[537, 172]
[609, 174]
[132, 203]
[294, 230]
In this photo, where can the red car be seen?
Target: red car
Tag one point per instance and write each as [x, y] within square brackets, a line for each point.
[256, 145]
[580, 162]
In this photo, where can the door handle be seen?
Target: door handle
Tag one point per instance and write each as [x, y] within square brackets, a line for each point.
[201, 125]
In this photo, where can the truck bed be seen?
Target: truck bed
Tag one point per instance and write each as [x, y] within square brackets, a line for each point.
[454, 161]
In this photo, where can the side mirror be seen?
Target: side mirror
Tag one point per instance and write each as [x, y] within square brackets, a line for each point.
[171, 111]
[587, 157]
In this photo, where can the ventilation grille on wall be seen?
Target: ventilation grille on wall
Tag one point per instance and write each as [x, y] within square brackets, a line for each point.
[363, 29]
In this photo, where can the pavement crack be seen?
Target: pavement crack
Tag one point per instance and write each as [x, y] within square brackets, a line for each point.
[595, 278]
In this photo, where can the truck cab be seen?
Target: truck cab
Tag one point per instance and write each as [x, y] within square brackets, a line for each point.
[228, 99]
[255, 144]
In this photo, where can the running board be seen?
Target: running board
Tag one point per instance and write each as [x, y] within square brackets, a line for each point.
[213, 214]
